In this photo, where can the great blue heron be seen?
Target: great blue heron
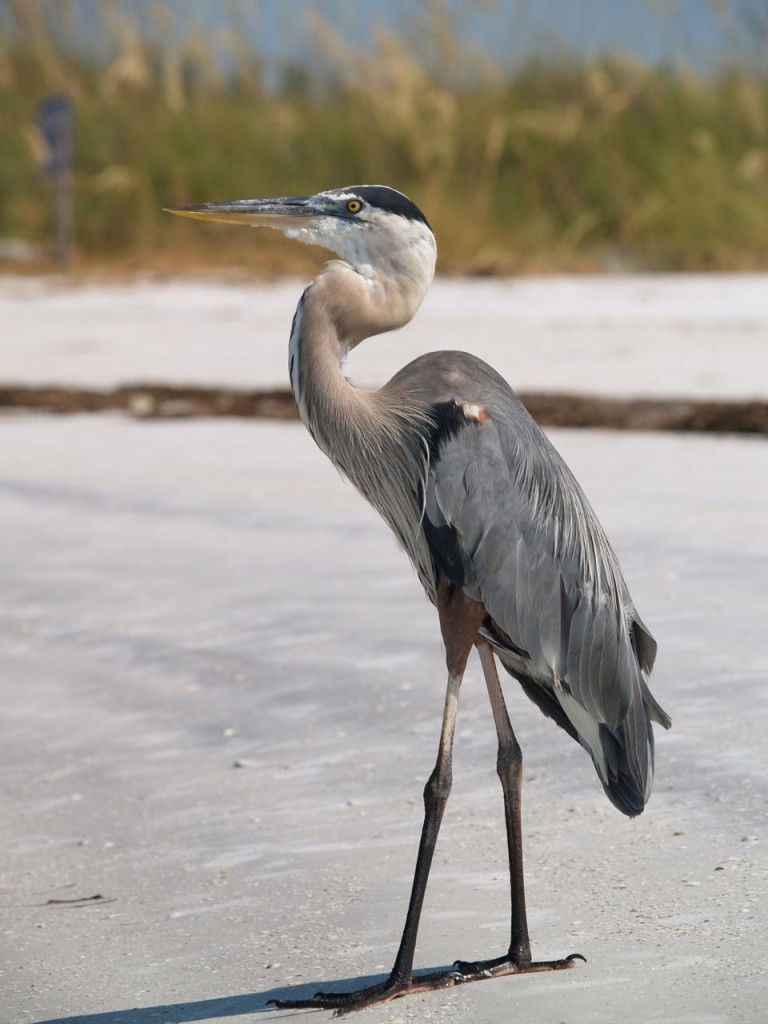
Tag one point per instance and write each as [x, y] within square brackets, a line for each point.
[499, 532]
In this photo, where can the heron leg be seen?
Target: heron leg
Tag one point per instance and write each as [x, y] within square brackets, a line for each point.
[509, 765]
[460, 618]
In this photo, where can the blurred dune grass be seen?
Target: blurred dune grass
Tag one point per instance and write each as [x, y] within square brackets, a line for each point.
[560, 164]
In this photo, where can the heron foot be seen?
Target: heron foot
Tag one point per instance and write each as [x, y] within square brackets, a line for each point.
[500, 966]
[348, 1002]
[394, 987]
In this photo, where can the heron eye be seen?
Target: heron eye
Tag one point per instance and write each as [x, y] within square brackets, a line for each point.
[354, 206]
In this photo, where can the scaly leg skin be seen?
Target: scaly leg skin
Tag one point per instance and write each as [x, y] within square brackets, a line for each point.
[460, 618]
[461, 973]
[459, 621]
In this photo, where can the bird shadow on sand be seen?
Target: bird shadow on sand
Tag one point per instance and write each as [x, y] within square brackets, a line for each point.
[225, 1006]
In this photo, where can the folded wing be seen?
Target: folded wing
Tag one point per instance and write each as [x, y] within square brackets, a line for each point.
[506, 520]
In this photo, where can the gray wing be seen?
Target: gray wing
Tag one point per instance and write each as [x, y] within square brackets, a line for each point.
[506, 520]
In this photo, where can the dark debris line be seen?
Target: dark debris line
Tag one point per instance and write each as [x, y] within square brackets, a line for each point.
[159, 401]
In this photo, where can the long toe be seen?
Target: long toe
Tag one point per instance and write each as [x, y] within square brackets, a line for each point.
[463, 971]
[347, 1002]
[502, 966]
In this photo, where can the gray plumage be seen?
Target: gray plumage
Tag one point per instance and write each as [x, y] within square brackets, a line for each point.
[493, 507]
[501, 536]
[525, 542]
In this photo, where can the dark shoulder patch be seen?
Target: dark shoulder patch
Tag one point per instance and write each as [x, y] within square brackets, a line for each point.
[448, 419]
[390, 200]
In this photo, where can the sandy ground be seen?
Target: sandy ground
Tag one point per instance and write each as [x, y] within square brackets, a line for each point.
[180, 598]
[183, 597]
[652, 336]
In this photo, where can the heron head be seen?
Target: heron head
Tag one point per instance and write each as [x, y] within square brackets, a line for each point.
[373, 228]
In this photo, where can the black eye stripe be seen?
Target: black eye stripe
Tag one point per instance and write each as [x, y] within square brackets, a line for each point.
[379, 197]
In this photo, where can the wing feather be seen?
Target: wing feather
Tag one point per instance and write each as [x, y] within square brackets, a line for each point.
[502, 507]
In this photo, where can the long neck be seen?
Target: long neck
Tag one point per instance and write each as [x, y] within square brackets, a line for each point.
[377, 287]
[315, 354]
[338, 310]
[377, 442]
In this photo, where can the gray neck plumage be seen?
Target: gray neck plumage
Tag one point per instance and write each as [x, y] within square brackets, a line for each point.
[337, 311]
[377, 439]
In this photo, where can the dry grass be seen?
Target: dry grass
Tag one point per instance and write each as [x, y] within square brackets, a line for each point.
[559, 165]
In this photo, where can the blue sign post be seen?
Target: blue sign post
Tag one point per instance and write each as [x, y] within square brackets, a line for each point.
[55, 123]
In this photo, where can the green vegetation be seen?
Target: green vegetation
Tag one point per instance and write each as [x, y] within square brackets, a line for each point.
[558, 165]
